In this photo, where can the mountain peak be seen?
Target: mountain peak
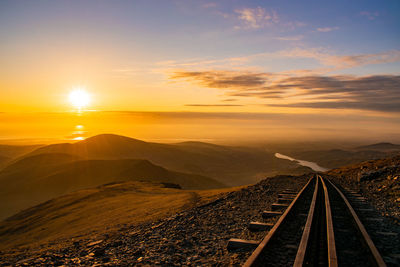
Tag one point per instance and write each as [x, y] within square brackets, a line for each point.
[109, 138]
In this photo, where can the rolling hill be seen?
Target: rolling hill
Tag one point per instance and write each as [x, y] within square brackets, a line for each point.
[10, 152]
[229, 165]
[98, 210]
[335, 158]
[13, 151]
[380, 147]
[40, 177]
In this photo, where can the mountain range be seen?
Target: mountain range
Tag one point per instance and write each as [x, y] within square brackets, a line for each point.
[50, 171]
[33, 174]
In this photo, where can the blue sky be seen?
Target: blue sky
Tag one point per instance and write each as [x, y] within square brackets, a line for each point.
[162, 30]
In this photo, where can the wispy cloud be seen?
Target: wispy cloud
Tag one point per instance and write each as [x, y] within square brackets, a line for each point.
[374, 93]
[340, 62]
[201, 62]
[222, 79]
[256, 17]
[370, 15]
[259, 17]
[294, 24]
[327, 29]
[329, 60]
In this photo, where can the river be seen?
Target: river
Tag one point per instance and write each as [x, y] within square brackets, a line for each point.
[309, 164]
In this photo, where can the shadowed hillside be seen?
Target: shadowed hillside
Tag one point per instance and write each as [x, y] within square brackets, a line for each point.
[229, 165]
[38, 178]
[41, 163]
[3, 161]
[9, 152]
[336, 158]
[380, 147]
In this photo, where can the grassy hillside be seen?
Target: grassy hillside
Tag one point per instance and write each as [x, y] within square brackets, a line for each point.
[38, 178]
[10, 152]
[39, 162]
[15, 151]
[229, 165]
[97, 210]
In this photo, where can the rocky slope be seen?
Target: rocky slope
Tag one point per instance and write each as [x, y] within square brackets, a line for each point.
[378, 180]
[196, 236]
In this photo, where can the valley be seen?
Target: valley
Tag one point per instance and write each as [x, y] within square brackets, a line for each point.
[60, 198]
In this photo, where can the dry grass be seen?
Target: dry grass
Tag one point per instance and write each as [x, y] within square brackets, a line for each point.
[96, 211]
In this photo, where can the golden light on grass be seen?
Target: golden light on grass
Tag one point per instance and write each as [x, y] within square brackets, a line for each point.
[79, 98]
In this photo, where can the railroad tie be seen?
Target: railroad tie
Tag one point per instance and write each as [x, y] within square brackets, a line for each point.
[235, 243]
[277, 206]
[269, 214]
[289, 192]
[285, 200]
[374, 219]
[366, 210]
[286, 195]
[357, 198]
[394, 259]
[387, 233]
[259, 226]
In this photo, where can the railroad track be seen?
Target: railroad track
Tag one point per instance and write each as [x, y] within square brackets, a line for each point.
[318, 227]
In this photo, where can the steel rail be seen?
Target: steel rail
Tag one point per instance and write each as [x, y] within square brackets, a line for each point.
[375, 256]
[302, 249]
[255, 257]
[330, 235]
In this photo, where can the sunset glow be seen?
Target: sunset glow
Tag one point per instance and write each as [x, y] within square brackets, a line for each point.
[79, 98]
[298, 66]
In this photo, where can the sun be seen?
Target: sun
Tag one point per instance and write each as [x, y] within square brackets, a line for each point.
[79, 98]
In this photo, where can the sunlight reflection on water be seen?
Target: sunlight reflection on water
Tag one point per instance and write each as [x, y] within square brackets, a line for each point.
[309, 164]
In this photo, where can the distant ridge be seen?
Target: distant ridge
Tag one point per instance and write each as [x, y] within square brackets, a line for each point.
[39, 160]
[335, 158]
[380, 146]
[113, 138]
[229, 165]
[10, 152]
[56, 169]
